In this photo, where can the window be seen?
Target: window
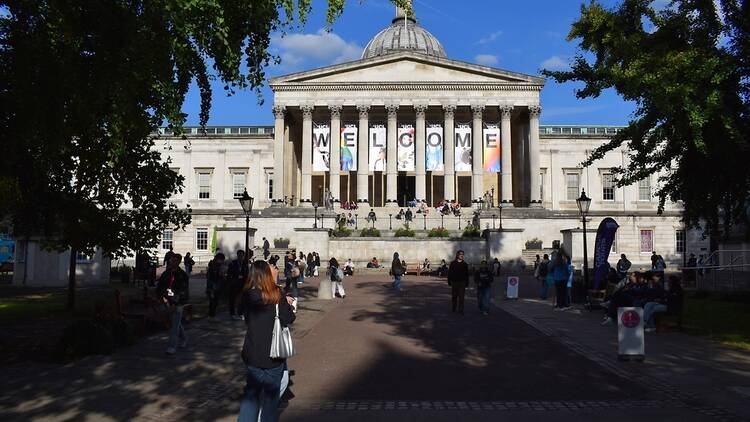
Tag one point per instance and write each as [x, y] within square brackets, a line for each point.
[572, 182]
[644, 190]
[201, 239]
[541, 183]
[166, 239]
[83, 257]
[238, 184]
[647, 241]
[608, 187]
[204, 185]
[269, 177]
[680, 241]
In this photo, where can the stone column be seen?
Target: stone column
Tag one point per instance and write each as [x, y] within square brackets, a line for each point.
[305, 199]
[477, 184]
[362, 152]
[278, 155]
[335, 154]
[391, 196]
[449, 150]
[534, 111]
[420, 189]
[507, 157]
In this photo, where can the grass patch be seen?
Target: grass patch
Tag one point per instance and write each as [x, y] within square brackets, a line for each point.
[720, 318]
[34, 306]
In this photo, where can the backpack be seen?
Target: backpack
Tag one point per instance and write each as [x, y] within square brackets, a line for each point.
[339, 274]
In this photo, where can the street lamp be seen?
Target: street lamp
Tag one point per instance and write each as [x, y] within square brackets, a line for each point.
[459, 220]
[355, 222]
[584, 202]
[442, 226]
[390, 224]
[246, 201]
[424, 218]
[315, 224]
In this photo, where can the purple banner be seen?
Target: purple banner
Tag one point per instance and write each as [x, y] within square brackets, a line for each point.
[605, 235]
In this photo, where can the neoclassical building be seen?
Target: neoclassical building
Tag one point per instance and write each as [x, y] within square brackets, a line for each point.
[406, 122]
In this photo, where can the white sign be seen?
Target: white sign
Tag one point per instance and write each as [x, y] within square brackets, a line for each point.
[405, 143]
[434, 148]
[321, 147]
[630, 333]
[511, 291]
[349, 148]
[377, 141]
[463, 147]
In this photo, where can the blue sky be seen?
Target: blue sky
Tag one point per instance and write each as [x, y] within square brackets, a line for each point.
[507, 34]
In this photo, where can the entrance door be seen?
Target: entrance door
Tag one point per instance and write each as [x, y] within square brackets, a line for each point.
[464, 190]
[406, 186]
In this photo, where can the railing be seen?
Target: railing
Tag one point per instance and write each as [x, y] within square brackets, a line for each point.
[732, 278]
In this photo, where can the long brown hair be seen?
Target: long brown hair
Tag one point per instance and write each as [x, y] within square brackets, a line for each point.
[261, 278]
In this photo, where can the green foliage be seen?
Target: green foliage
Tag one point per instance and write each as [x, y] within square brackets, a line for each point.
[471, 232]
[438, 232]
[370, 232]
[687, 68]
[341, 231]
[281, 242]
[534, 243]
[405, 232]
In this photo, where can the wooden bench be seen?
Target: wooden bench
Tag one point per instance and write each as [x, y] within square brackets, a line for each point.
[413, 269]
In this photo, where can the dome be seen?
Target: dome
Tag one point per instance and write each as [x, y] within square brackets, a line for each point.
[403, 34]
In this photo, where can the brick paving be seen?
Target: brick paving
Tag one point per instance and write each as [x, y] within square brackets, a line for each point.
[378, 355]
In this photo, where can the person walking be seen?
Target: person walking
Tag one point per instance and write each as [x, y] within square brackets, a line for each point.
[337, 278]
[236, 275]
[483, 278]
[167, 256]
[560, 277]
[623, 265]
[266, 247]
[397, 270]
[188, 262]
[172, 288]
[541, 272]
[263, 302]
[458, 278]
[215, 282]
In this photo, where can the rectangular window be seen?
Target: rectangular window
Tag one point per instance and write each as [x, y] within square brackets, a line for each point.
[201, 239]
[204, 185]
[644, 190]
[680, 241]
[572, 182]
[166, 239]
[608, 187]
[269, 176]
[647, 241]
[238, 184]
[541, 184]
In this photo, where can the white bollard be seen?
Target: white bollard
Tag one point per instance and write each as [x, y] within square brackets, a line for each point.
[324, 289]
[511, 291]
[630, 335]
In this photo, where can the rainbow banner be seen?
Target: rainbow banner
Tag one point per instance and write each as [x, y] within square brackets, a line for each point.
[491, 148]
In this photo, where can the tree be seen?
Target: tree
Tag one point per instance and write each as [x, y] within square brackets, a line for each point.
[687, 68]
[85, 85]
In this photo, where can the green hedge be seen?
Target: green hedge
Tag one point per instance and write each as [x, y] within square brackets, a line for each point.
[471, 232]
[341, 232]
[370, 232]
[405, 232]
[438, 232]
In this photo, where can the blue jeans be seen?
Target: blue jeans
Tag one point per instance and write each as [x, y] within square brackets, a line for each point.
[396, 282]
[650, 310]
[483, 298]
[177, 330]
[545, 289]
[261, 392]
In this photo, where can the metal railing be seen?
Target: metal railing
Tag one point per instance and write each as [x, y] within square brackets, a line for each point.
[733, 277]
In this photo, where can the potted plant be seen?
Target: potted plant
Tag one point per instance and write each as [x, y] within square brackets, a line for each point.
[438, 232]
[370, 232]
[281, 243]
[534, 243]
[405, 232]
[341, 231]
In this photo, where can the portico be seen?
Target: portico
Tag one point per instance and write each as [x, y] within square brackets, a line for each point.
[409, 124]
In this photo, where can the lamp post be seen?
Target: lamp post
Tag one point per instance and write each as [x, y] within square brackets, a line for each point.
[424, 219]
[442, 226]
[493, 221]
[584, 202]
[355, 222]
[315, 224]
[390, 222]
[459, 220]
[246, 202]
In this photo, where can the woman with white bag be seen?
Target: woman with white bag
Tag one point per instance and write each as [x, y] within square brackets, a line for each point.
[266, 345]
[337, 278]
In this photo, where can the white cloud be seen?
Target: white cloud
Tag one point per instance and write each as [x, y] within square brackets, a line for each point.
[660, 4]
[490, 38]
[555, 63]
[321, 47]
[486, 59]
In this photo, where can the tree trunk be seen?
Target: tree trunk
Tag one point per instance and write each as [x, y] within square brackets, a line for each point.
[72, 279]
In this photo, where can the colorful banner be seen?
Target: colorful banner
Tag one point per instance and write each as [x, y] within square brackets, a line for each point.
[321, 147]
[605, 235]
[405, 142]
[491, 148]
[463, 147]
[377, 148]
[434, 148]
[349, 147]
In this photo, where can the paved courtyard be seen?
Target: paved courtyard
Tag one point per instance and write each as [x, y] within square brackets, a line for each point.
[378, 355]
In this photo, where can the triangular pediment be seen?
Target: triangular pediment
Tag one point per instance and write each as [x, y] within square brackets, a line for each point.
[407, 67]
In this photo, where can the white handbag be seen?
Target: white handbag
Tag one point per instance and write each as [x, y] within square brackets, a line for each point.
[281, 339]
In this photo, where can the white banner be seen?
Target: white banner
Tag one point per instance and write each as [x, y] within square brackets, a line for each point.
[321, 147]
[463, 147]
[377, 148]
[406, 148]
[434, 148]
[349, 148]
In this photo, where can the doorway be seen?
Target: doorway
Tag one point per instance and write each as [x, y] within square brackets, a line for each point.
[406, 186]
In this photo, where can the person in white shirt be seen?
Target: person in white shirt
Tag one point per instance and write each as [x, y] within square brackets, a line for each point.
[349, 267]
